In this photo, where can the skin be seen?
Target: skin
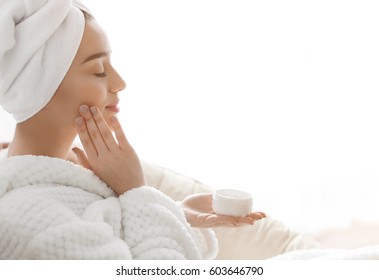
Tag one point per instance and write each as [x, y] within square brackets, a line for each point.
[79, 107]
[81, 85]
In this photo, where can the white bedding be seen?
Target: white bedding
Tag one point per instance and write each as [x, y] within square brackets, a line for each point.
[362, 253]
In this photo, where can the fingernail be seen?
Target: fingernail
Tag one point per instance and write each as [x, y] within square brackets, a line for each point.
[93, 109]
[113, 119]
[83, 109]
[79, 121]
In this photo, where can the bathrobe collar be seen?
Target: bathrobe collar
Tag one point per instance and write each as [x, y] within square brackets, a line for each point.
[28, 170]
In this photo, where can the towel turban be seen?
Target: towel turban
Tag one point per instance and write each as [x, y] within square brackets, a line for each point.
[38, 42]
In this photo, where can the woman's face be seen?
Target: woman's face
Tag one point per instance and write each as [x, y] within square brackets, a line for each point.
[91, 79]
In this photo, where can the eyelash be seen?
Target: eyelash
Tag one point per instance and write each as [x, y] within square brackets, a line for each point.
[101, 75]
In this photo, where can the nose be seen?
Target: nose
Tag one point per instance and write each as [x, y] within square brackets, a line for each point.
[116, 83]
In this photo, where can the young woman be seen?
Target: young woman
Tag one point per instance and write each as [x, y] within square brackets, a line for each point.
[57, 80]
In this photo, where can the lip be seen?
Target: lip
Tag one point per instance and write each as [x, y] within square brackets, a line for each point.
[113, 107]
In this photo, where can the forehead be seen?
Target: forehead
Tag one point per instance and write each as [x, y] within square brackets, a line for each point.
[94, 41]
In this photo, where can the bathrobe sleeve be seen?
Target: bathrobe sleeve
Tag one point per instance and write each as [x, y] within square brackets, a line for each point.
[77, 240]
[156, 228]
[143, 223]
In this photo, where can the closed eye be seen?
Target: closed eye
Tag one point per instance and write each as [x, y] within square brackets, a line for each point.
[101, 75]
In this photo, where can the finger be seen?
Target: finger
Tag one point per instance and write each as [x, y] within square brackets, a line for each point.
[104, 129]
[120, 135]
[250, 219]
[208, 219]
[93, 130]
[233, 221]
[83, 160]
[215, 219]
[85, 139]
[257, 215]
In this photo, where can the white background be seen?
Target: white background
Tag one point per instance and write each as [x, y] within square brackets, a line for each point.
[278, 98]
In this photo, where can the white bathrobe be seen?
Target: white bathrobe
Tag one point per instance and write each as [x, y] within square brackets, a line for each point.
[54, 209]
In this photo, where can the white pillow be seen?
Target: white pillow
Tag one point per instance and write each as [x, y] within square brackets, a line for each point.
[266, 238]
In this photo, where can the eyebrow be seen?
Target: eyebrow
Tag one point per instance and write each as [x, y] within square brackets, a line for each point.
[95, 56]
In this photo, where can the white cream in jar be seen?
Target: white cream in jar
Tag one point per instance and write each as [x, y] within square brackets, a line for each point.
[232, 202]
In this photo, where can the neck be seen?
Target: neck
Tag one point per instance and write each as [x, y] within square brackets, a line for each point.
[42, 138]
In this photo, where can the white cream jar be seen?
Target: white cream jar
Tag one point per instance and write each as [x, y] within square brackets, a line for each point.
[232, 202]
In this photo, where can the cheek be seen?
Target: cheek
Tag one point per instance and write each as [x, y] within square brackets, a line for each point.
[88, 90]
[92, 94]
[75, 91]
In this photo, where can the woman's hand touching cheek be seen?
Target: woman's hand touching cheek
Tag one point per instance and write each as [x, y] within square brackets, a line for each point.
[114, 162]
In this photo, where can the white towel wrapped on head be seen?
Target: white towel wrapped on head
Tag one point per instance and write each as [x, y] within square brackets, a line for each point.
[38, 42]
